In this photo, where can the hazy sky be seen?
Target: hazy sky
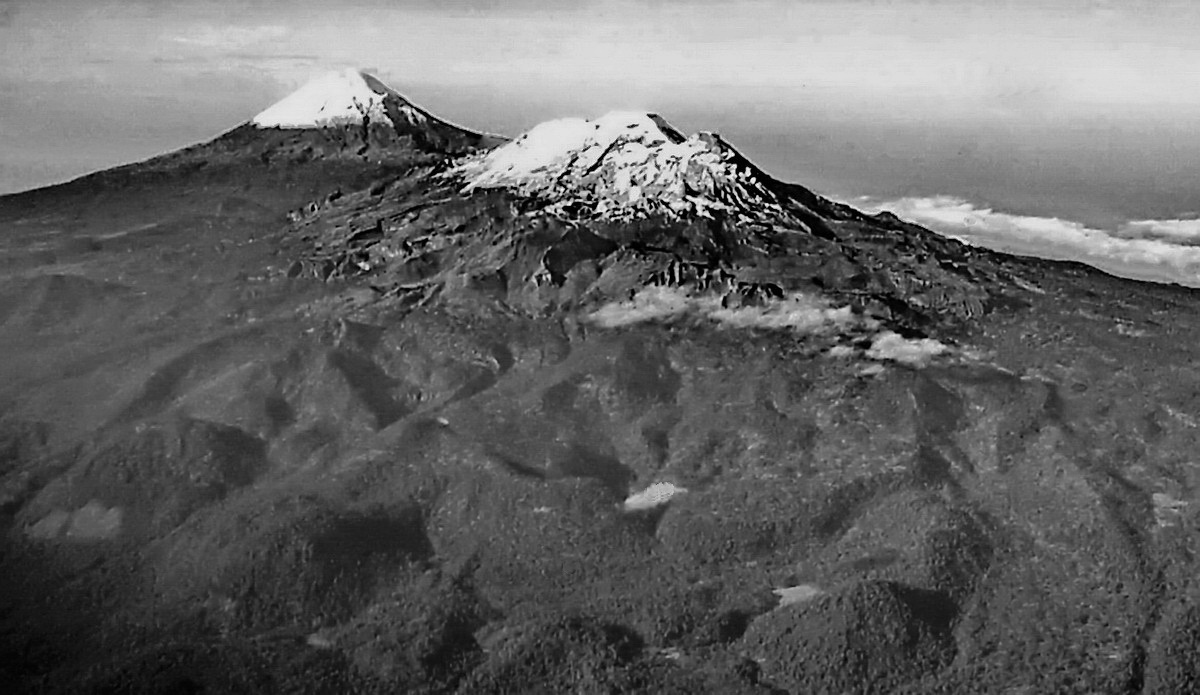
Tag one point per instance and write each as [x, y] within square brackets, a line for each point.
[90, 82]
[1087, 109]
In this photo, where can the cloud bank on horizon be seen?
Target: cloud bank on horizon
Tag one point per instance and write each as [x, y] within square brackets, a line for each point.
[1166, 250]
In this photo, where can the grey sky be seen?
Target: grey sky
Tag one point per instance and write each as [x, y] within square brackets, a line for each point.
[856, 96]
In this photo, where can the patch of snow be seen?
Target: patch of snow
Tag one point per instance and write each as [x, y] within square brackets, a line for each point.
[552, 147]
[621, 165]
[654, 496]
[1181, 416]
[1167, 509]
[896, 348]
[802, 313]
[50, 525]
[92, 521]
[798, 594]
[337, 98]
[669, 653]
[1127, 330]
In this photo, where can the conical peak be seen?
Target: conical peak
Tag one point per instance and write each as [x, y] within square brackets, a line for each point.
[554, 141]
[336, 98]
[622, 164]
[637, 126]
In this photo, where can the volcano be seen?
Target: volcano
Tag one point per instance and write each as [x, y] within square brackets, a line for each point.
[624, 166]
[339, 98]
[360, 101]
[354, 399]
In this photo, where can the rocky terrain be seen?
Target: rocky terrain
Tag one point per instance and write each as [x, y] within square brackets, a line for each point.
[352, 399]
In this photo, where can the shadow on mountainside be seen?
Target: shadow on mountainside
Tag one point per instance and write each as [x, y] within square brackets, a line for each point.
[280, 416]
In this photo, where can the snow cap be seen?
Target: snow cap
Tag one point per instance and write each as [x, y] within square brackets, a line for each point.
[335, 98]
[622, 165]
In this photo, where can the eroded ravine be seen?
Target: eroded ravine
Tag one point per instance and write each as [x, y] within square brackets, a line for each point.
[376, 428]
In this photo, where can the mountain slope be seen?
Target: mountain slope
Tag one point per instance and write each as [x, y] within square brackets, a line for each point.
[357, 100]
[624, 166]
[340, 146]
[606, 408]
[340, 98]
[575, 212]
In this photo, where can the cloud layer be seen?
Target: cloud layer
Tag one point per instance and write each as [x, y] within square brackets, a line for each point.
[797, 312]
[1166, 250]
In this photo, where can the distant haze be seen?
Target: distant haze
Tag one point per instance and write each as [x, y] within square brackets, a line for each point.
[1076, 109]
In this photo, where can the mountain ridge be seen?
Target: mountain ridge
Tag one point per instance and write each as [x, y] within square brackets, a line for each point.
[298, 410]
[605, 208]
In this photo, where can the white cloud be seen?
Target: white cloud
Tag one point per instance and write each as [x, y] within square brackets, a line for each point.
[1155, 250]
[798, 594]
[653, 496]
[230, 37]
[1178, 231]
[797, 312]
[649, 304]
[896, 348]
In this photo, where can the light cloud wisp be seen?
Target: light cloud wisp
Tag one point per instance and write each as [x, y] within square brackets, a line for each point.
[1157, 250]
[230, 38]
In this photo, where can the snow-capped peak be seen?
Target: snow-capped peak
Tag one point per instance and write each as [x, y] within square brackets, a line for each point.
[339, 98]
[553, 146]
[621, 165]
